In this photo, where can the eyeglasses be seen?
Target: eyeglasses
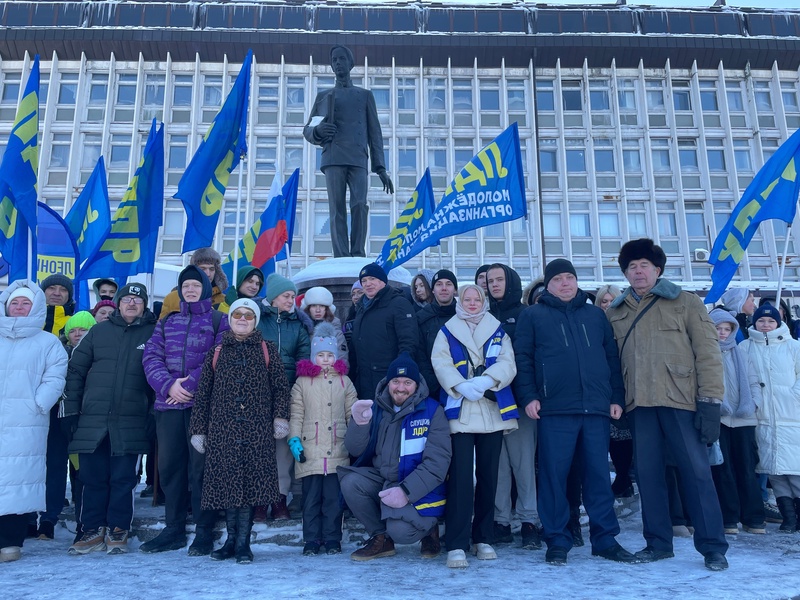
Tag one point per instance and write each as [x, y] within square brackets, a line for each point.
[247, 315]
[131, 300]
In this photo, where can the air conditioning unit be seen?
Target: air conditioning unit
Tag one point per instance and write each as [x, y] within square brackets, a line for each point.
[701, 255]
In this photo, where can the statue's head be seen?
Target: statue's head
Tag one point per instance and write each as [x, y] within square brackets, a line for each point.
[342, 60]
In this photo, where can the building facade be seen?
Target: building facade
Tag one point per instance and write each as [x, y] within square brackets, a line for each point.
[633, 121]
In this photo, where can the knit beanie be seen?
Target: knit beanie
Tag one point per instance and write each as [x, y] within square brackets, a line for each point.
[245, 303]
[356, 286]
[444, 274]
[735, 298]
[132, 289]
[403, 366]
[82, 319]
[373, 270]
[59, 279]
[324, 340]
[556, 267]
[642, 248]
[320, 296]
[25, 292]
[194, 273]
[101, 304]
[481, 269]
[767, 310]
[276, 285]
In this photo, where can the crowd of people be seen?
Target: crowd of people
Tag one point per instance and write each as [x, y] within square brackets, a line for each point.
[464, 405]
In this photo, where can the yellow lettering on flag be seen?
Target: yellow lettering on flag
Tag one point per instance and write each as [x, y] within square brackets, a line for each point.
[471, 172]
[211, 202]
[790, 172]
[745, 217]
[8, 217]
[731, 248]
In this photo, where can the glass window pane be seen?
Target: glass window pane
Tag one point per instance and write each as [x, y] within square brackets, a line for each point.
[548, 161]
[604, 160]
[552, 225]
[490, 100]
[609, 224]
[599, 100]
[632, 160]
[544, 100]
[571, 99]
[579, 225]
[576, 161]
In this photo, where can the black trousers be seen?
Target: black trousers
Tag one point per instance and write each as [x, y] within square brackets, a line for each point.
[322, 510]
[338, 179]
[108, 484]
[622, 456]
[463, 498]
[736, 480]
[180, 469]
[657, 432]
[12, 530]
[56, 478]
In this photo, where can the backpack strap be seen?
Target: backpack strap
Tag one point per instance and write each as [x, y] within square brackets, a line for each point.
[635, 321]
[265, 350]
[216, 320]
[218, 349]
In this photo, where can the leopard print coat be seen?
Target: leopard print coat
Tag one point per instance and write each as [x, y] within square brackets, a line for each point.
[234, 406]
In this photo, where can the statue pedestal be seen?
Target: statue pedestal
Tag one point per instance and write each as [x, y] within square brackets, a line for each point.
[337, 275]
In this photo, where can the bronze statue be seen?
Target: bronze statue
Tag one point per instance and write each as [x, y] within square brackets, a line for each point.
[344, 121]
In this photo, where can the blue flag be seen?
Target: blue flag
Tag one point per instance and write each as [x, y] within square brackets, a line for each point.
[130, 247]
[58, 252]
[488, 190]
[18, 210]
[202, 187]
[89, 219]
[417, 212]
[771, 195]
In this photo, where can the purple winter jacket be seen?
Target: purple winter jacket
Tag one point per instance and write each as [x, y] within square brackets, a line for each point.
[178, 348]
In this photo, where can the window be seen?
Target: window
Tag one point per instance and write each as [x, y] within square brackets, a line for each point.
[552, 228]
[437, 162]
[604, 165]
[176, 160]
[182, 93]
[98, 94]
[709, 103]
[735, 99]
[600, 103]
[632, 163]
[656, 108]
[490, 103]
[545, 103]
[662, 167]
[266, 151]
[67, 96]
[119, 159]
[90, 154]
[548, 163]
[668, 228]
[407, 162]
[687, 155]
[517, 106]
[296, 99]
[462, 103]
[572, 103]
[626, 95]
[790, 104]
[9, 96]
[717, 166]
[153, 97]
[126, 98]
[268, 100]
[212, 97]
[580, 229]
[682, 103]
[381, 91]
[436, 91]
[576, 164]
[406, 101]
[60, 151]
[768, 148]
[766, 116]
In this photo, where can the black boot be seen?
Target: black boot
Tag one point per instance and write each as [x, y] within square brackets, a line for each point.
[574, 525]
[797, 512]
[244, 525]
[787, 507]
[229, 547]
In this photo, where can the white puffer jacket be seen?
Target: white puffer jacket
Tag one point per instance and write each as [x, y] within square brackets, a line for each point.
[33, 368]
[776, 358]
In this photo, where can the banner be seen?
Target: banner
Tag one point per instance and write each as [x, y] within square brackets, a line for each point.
[202, 187]
[771, 195]
[89, 219]
[18, 210]
[488, 190]
[289, 193]
[417, 213]
[130, 247]
[58, 252]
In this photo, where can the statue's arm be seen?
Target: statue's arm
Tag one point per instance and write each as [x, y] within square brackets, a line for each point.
[374, 136]
[308, 130]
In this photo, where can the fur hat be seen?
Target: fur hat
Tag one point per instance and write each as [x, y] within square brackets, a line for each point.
[767, 310]
[556, 267]
[246, 303]
[277, 285]
[320, 296]
[324, 340]
[444, 274]
[642, 248]
[204, 256]
[373, 270]
[62, 280]
[132, 289]
[403, 366]
[82, 319]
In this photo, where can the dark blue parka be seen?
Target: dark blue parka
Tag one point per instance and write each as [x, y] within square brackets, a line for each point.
[567, 358]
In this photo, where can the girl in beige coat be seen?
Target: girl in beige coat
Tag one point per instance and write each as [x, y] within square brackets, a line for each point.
[322, 398]
[474, 362]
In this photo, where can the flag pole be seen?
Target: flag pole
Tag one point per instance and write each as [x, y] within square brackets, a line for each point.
[783, 264]
[288, 260]
[32, 260]
[530, 245]
[242, 159]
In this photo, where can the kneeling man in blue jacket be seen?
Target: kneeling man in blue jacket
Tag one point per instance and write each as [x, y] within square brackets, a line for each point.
[569, 377]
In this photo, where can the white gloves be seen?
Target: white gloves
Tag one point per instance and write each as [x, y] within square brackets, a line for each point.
[482, 383]
[362, 411]
[199, 443]
[467, 389]
[281, 427]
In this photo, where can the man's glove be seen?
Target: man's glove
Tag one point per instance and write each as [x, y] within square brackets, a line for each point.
[281, 427]
[394, 497]
[706, 421]
[69, 425]
[361, 411]
[199, 443]
[296, 446]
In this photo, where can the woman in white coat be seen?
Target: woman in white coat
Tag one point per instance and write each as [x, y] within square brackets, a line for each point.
[474, 362]
[33, 368]
[776, 358]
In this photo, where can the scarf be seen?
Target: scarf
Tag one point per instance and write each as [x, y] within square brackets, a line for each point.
[472, 319]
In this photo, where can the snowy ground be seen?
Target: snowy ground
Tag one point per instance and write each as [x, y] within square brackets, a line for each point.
[766, 566]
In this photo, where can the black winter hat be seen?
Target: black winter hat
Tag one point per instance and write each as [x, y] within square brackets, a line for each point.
[132, 289]
[403, 366]
[444, 274]
[373, 270]
[556, 267]
[481, 269]
[63, 281]
[767, 310]
[642, 248]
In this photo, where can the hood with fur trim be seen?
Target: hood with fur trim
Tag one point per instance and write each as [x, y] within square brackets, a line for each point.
[305, 368]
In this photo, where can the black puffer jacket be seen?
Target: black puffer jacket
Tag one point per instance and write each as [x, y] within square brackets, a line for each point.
[381, 331]
[289, 334]
[107, 387]
[567, 358]
[507, 309]
[430, 320]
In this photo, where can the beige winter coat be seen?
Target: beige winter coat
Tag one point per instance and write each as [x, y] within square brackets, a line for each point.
[482, 416]
[672, 356]
[320, 412]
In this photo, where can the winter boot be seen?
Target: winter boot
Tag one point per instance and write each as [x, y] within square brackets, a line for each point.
[787, 507]
[279, 510]
[203, 542]
[431, 546]
[170, 538]
[377, 546]
[797, 512]
[531, 537]
[244, 526]
[228, 548]
[574, 525]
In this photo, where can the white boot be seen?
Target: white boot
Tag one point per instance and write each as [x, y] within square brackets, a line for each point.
[457, 559]
[10, 553]
[484, 552]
